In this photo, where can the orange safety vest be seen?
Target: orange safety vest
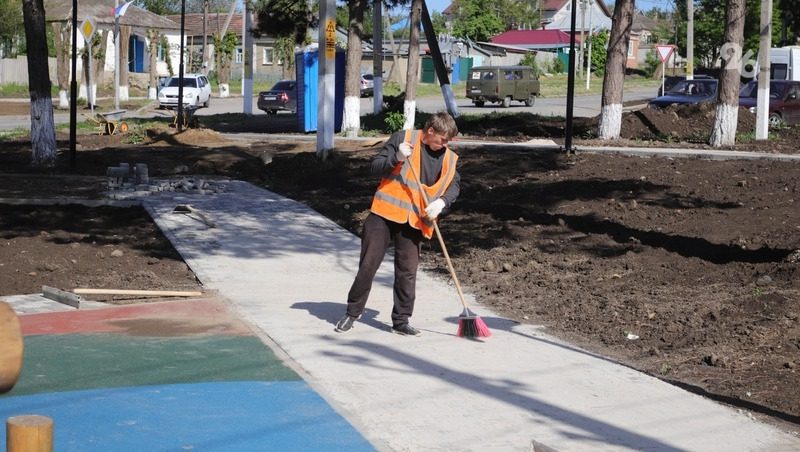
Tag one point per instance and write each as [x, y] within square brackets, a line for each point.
[398, 195]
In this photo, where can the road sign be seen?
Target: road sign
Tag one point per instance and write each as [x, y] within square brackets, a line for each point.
[664, 52]
[87, 29]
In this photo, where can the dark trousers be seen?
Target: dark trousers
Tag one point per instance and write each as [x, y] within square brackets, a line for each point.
[377, 234]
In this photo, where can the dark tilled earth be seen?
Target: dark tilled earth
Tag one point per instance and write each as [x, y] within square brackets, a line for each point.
[686, 269]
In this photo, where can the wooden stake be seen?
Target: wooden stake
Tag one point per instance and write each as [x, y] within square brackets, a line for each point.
[145, 293]
[29, 433]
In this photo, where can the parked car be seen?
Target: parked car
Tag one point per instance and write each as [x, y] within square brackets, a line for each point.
[281, 97]
[367, 85]
[196, 92]
[784, 101]
[502, 84]
[672, 80]
[688, 92]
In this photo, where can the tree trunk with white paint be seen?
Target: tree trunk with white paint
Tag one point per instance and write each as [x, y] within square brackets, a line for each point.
[43, 130]
[723, 133]
[153, 38]
[614, 79]
[351, 120]
[61, 40]
[410, 103]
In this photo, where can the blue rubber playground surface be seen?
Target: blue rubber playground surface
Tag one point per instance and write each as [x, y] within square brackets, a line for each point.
[167, 376]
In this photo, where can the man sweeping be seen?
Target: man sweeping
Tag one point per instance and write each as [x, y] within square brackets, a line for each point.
[400, 214]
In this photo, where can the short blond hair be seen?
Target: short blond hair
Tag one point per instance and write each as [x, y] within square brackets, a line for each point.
[443, 123]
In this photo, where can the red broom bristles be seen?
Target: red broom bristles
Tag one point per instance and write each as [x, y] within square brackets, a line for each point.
[471, 326]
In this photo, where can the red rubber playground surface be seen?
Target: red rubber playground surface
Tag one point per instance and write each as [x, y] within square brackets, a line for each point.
[178, 375]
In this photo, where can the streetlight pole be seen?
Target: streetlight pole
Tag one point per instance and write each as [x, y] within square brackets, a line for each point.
[689, 39]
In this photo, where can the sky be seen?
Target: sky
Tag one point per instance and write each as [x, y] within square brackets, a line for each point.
[644, 5]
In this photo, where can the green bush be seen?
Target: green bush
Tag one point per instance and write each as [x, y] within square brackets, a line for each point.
[394, 121]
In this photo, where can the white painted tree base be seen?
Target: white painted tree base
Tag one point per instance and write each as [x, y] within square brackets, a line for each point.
[610, 122]
[409, 112]
[723, 133]
[63, 100]
[224, 90]
[152, 93]
[123, 93]
[351, 121]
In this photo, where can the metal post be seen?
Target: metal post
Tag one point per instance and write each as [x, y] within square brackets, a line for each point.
[116, 56]
[73, 87]
[589, 59]
[690, 40]
[247, 55]
[180, 69]
[571, 82]
[377, 56]
[327, 77]
[438, 63]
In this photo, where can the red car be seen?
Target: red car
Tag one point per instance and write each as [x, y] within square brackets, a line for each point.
[784, 101]
[282, 96]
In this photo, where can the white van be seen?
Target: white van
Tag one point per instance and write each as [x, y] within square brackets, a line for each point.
[784, 63]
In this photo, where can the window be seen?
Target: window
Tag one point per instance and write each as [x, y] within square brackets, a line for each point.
[268, 56]
[239, 56]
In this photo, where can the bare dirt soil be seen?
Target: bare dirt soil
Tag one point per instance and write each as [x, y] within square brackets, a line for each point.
[687, 269]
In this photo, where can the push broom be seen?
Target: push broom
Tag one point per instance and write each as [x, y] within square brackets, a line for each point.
[469, 324]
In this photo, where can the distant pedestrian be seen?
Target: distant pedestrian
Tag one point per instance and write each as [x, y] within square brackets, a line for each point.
[399, 214]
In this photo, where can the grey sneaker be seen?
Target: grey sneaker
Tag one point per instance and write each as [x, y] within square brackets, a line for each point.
[345, 324]
[406, 330]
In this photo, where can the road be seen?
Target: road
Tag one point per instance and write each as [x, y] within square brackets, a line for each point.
[584, 106]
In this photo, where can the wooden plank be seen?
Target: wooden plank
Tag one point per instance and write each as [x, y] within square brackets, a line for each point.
[146, 293]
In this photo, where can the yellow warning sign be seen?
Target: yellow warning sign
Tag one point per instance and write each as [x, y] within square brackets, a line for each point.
[87, 29]
[330, 39]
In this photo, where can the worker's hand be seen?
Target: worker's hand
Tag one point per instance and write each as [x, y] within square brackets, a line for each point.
[404, 150]
[434, 208]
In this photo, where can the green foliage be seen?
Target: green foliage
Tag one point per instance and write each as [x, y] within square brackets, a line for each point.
[709, 28]
[438, 21]
[476, 21]
[599, 42]
[279, 18]
[160, 7]
[12, 28]
[651, 64]
[556, 66]
[394, 121]
[530, 60]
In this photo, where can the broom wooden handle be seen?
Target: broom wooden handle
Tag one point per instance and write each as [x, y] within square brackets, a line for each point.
[439, 236]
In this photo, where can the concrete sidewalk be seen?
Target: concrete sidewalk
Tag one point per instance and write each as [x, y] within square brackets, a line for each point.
[287, 270]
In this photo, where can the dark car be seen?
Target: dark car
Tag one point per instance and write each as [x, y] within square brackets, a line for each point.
[688, 92]
[672, 80]
[784, 101]
[281, 97]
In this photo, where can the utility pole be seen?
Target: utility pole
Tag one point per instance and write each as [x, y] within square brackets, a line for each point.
[205, 38]
[765, 43]
[377, 56]
[589, 59]
[583, 39]
[116, 56]
[689, 39]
